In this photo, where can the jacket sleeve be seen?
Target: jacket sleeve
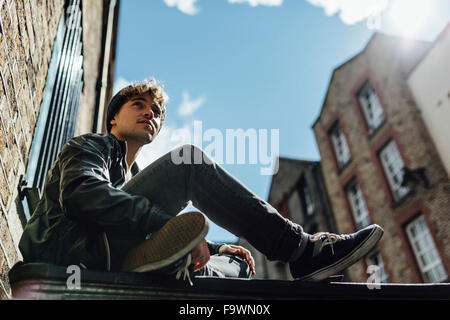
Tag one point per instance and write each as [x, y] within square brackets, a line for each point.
[213, 247]
[87, 194]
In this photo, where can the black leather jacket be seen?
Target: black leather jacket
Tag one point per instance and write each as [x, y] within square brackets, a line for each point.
[82, 199]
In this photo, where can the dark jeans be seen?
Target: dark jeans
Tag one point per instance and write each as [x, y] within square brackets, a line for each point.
[220, 196]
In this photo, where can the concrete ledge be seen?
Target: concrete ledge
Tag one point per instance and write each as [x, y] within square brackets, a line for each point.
[45, 281]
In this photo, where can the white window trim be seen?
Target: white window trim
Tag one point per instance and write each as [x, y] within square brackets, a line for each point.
[438, 262]
[309, 204]
[377, 110]
[363, 220]
[393, 169]
[340, 145]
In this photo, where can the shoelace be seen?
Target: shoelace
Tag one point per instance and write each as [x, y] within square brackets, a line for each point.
[183, 269]
[328, 239]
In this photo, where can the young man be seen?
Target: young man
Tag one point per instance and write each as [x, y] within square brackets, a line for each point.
[94, 214]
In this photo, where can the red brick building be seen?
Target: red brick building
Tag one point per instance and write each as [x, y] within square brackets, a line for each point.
[381, 166]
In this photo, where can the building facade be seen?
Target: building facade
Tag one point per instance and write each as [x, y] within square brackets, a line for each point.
[298, 192]
[56, 71]
[380, 163]
[430, 86]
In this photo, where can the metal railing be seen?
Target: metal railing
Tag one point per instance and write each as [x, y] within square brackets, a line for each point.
[61, 100]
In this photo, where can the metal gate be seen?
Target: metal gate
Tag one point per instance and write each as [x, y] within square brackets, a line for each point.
[60, 103]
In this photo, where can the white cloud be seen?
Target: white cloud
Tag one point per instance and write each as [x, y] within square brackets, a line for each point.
[188, 106]
[188, 6]
[169, 138]
[185, 6]
[255, 3]
[351, 11]
[120, 83]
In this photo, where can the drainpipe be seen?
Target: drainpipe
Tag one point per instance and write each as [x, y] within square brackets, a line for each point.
[105, 67]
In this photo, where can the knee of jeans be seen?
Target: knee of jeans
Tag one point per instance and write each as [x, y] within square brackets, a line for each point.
[196, 154]
[192, 148]
[186, 154]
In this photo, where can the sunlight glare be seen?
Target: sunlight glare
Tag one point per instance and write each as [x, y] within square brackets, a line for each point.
[409, 16]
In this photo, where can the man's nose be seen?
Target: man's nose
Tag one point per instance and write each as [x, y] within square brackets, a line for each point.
[149, 114]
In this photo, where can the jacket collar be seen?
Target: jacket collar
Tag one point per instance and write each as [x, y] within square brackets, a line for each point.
[122, 144]
[123, 148]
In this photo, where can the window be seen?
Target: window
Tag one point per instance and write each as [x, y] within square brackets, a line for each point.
[375, 259]
[340, 145]
[425, 251]
[305, 196]
[358, 206]
[393, 167]
[371, 106]
[59, 109]
[309, 205]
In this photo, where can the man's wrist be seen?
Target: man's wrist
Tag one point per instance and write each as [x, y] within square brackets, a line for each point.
[214, 247]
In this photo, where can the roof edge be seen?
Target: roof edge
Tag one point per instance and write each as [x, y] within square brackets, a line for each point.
[433, 44]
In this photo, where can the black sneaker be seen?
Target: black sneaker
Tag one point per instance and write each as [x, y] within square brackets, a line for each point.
[327, 253]
[169, 249]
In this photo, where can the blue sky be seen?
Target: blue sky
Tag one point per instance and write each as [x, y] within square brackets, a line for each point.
[254, 64]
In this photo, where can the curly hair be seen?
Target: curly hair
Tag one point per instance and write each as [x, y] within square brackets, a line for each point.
[152, 87]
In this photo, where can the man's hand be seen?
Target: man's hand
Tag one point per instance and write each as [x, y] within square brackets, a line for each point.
[200, 255]
[239, 251]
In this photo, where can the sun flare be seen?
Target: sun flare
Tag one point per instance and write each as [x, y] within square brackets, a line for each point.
[408, 16]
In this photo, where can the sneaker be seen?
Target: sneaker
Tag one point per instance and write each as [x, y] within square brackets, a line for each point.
[170, 247]
[327, 253]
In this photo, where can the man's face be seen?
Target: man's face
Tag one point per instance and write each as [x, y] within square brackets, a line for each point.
[139, 119]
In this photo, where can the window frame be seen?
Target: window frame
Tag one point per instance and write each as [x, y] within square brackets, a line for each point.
[393, 172]
[437, 262]
[59, 108]
[357, 219]
[372, 123]
[306, 199]
[335, 139]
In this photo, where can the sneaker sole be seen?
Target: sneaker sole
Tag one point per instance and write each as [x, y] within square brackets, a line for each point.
[180, 232]
[351, 258]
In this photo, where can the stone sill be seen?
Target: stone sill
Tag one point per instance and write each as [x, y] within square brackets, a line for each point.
[38, 281]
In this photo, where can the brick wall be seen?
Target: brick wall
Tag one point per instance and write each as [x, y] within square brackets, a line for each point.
[385, 62]
[27, 33]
